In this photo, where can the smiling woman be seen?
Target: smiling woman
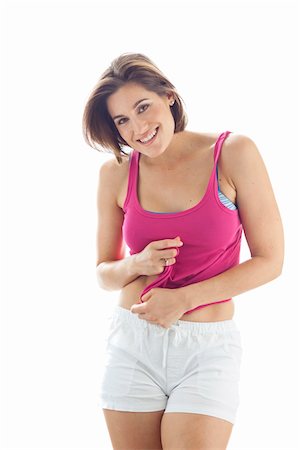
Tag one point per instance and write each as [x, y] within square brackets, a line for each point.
[109, 114]
[180, 202]
[148, 125]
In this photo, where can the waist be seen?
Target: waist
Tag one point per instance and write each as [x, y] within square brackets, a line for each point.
[130, 294]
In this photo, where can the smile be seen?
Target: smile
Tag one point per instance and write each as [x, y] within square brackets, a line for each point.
[150, 138]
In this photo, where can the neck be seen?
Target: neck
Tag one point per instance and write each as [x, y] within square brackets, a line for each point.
[173, 154]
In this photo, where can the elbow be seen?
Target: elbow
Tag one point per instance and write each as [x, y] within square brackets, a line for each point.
[276, 268]
[279, 264]
[99, 278]
[279, 271]
[101, 281]
[276, 274]
[272, 267]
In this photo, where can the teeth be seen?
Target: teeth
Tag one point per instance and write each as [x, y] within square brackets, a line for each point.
[148, 138]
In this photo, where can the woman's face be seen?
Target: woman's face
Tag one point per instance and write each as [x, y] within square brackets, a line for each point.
[141, 112]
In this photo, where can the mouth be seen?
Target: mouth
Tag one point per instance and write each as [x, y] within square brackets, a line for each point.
[150, 140]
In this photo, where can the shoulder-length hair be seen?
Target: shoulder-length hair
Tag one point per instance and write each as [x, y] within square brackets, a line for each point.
[98, 126]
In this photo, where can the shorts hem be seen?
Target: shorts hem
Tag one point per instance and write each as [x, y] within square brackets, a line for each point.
[120, 407]
[124, 408]
[206, 412]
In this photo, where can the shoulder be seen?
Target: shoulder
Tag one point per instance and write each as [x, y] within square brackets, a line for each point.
[237, 147]
[239, 155]
[112, 175]
[234, 147]
[237, 141]
[112, 169]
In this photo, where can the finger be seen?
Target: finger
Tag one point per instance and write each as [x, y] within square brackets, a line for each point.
[144, 317]
[171, 254]
[166, 243]
[145, 297]
[138, 309]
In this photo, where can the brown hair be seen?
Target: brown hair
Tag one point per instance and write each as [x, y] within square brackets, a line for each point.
[98, 126]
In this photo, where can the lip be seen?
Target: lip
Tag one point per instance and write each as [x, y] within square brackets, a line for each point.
[151, 140]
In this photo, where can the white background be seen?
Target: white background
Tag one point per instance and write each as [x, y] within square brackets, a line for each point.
[235, 65]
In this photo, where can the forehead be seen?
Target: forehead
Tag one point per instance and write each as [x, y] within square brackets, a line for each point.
[126, 96]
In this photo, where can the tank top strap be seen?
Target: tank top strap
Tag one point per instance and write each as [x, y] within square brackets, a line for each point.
[212, 188]
[132, 178]
[218, 146]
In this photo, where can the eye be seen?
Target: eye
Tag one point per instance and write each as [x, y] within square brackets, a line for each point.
[146, 105]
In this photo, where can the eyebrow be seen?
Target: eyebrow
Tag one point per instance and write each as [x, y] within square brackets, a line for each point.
[136, 103]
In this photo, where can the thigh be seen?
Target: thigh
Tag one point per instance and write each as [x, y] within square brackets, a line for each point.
[187, 431]
[134, 430]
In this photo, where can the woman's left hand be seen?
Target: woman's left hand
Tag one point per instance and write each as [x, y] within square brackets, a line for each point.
[161, 306]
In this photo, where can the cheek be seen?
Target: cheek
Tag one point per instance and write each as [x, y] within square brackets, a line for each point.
[155, 112]
[123, 131]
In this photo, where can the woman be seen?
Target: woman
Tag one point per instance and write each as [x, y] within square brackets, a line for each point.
[179, 200]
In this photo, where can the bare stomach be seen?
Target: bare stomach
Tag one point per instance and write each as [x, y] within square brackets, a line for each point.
[130, 294]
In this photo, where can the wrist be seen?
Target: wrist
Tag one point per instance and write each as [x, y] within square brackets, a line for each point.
[188, 295]
[133, 266]
[185, 297]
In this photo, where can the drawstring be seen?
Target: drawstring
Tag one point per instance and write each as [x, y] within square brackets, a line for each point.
[166, 342]
[165, 347]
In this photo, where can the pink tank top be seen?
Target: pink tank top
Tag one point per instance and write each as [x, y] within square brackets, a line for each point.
[210, 232]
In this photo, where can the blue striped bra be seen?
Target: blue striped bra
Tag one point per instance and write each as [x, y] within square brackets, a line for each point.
[225, 200]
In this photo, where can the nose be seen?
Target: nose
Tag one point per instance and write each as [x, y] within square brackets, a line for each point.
[139, 127]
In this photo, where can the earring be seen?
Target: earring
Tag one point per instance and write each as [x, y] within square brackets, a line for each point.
[172, 103]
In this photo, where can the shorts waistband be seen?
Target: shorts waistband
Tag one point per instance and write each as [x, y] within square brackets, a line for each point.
[195, 327]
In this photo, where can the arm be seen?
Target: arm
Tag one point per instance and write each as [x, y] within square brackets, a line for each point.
[262, 225]
[113, 270]
[114, 275]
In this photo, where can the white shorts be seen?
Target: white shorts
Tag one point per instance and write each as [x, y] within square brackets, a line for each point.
[191, 367]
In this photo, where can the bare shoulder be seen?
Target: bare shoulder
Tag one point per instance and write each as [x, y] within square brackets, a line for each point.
[110, 245]
[232, 140]
[239, 153]
[235, 141]
[112, 166]
[114, 174]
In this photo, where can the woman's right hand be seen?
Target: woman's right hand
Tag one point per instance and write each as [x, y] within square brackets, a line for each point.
[150, 260]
